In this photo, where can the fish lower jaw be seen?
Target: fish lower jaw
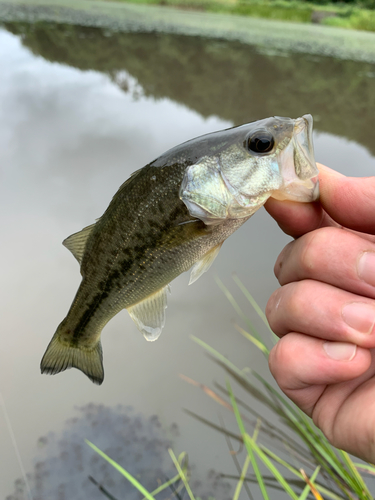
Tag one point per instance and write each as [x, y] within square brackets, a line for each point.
[303, 191]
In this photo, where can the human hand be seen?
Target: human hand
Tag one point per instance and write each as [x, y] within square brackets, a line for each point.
[324, 312]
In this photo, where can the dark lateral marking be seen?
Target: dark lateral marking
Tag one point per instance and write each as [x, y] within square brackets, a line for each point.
[125, 265]
[128, 252]
[160, 207]
[87, 314]
[155, 225]
[106, 287]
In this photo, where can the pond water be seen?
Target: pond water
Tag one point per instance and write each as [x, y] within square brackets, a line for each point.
[82, 108]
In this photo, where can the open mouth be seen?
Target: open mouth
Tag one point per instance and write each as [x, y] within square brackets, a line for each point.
[304, 160]
[297, 165]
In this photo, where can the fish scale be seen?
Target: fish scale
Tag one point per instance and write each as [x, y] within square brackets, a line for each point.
[170, 216]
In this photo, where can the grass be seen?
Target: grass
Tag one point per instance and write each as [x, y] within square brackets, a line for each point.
[354, 15]
[299, 461]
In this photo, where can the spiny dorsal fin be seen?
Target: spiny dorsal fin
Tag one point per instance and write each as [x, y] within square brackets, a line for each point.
[203, 265]
[76, 242]
[149, 314]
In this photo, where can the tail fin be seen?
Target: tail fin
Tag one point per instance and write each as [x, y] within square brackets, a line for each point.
[60, 356]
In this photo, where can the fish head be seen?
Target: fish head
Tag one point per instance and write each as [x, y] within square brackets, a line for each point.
[247, 165]
[274, 158]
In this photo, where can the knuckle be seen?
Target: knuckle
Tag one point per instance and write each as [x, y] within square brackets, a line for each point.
[281, 259]
[296, 304]
[313, 247]
[272, 306]
[286, 306]
[292, 307]
[281, 361]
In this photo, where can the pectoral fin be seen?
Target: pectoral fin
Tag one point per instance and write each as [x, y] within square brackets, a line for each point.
[76, 243]
[149, 314]
[204, 264]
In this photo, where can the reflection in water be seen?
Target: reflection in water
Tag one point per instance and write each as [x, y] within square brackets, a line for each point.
[338, 93]
[139, 444]
[69, 136]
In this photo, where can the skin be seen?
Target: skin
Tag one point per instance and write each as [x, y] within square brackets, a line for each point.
[320, 362]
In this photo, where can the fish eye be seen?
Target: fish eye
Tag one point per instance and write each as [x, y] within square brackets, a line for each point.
[261, 141]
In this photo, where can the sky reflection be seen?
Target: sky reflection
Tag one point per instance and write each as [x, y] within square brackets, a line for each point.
[68, 139]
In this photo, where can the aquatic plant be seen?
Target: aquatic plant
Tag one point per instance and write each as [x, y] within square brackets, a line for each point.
[299, 461]
[66, 468]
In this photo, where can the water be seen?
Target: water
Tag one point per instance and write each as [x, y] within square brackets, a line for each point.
[82, 108]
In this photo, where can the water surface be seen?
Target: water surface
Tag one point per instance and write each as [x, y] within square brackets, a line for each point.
[82, 108]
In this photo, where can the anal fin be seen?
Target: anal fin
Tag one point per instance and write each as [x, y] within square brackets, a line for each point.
[203, 265]
[149, 314]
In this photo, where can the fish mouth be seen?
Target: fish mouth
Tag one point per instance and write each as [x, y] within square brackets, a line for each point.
[304, 159]
[297, 165]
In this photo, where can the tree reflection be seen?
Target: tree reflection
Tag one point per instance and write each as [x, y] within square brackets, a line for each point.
[65, 462]
[228, 79]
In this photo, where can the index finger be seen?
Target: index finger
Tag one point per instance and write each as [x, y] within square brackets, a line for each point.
[344, 201]
[296, 219]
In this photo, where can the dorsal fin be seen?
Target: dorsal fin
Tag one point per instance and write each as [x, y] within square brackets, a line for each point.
[76, 242]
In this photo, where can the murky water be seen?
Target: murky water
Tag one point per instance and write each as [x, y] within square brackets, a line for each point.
[81, 109]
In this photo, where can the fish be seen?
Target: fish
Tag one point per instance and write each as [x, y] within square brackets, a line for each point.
[171, 216]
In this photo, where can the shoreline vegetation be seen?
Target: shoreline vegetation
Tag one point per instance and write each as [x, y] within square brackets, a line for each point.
[287, 454]
[359, 15]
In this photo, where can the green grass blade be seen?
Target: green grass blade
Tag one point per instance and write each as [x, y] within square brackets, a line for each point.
[367, 467]
[242, 478]
[125, 473]
[282, 462]
[164, 486]
[267, 462]
[297, 473]
[216, 427]
[235, 372]
[307, 490]
[253, 302]
[262, 347]
[241, 426]
[309, 433]
[219, 356]
[362, 487]
[323, 451]
[181, 473]
[237, 308]
[102, 489]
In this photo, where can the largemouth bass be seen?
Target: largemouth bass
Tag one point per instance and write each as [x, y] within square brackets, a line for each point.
[172, 215]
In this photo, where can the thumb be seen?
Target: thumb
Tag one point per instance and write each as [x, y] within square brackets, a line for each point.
[350, 201]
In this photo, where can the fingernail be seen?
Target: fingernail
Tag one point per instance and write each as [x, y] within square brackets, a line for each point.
[359, 316]
[340, 351]
[366, 267]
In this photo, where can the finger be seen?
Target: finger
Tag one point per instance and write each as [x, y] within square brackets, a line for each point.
[295, 218]
[346, 407]
[322, 311]
[303, 366]
[335, 256]
[344, 201]
[350, 201]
